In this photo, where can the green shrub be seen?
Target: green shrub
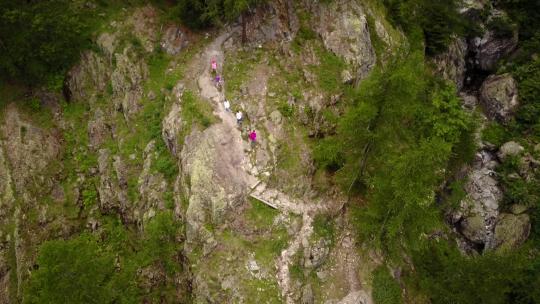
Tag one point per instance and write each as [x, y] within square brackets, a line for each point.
[502, 27]
[446, 276]
[73, 271]
[285, 109]
[323, 226]
[385, 289]
[40, 39]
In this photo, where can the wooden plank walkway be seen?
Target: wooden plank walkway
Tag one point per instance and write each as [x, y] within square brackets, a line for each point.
[263, 201]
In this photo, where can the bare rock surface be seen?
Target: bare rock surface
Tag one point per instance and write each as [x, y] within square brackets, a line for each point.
[174, 39]
[344, 30]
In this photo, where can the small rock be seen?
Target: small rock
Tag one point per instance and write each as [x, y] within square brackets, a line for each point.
[307, 295]
[252, 266]
[271, 94]
[151, 95]
[510, 148]
[346, 77]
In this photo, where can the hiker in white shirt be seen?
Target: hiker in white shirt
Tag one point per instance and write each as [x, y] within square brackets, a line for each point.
[227, 105]
[239, 118]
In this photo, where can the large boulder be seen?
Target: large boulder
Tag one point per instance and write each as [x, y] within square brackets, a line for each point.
[511, 230]
[210, 162]
[344, 30]
[474, 229]
[499, 96]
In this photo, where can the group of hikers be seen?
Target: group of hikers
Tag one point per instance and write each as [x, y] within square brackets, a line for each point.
[227, 105]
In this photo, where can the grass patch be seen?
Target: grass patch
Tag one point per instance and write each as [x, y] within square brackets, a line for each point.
[496, 134]
[323, 226]
[260, 214]
[236, 70]
[385, 289]
[196, 111]
[329, 71]
[265, 291]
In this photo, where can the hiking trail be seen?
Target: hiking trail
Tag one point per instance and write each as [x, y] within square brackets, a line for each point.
[258, 189]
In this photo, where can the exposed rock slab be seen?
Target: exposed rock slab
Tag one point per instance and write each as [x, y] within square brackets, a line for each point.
[344, 30]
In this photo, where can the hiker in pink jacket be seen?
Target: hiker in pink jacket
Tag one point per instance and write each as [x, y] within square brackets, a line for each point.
[252, 137]
[213, 64]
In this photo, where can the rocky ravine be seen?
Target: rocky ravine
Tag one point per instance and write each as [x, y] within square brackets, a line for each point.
[470, 64]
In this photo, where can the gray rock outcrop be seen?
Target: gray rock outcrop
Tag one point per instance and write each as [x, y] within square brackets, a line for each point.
[174, 40]
[344, 30]
[88, 78]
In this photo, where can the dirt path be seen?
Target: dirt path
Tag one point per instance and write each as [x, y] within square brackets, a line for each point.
[258, 189]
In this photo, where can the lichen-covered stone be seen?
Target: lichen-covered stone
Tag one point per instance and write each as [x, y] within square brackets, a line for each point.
[499, 96]
[344, 30]
[511, 230]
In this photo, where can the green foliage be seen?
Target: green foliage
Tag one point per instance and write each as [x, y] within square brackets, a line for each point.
[329, 71]
[200, 14]
[402, 123]
[89, 197]
[517, 190]
[449, 277]
[385, 289]
[495, 133]
[260, 214]
[501, 26]
[439, 21]
[285, 109]
[40, 39]
[195, 111]
[323, 226]
[73, 271]
[528, 77]
[160, 244]
[104, 269]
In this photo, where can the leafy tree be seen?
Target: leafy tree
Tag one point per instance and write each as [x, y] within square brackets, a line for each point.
[39, 39]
